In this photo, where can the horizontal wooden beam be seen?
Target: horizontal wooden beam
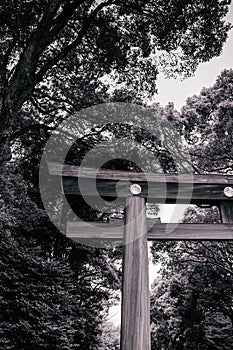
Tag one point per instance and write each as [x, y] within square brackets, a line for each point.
[116, 175]
[158, 188]
[170, 193]
[113, 230]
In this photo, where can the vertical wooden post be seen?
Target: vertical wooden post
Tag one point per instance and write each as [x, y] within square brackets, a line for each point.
[135, 315]
[226, 211]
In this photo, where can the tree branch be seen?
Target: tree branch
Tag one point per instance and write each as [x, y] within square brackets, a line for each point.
[63, 53]
[26, 129]
[38, 127]
[25, 78]
[44, 95]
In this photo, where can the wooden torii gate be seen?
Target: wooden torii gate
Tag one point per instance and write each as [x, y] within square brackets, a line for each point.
[205, 189]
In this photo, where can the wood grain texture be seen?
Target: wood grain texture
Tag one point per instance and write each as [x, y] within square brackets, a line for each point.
[75, 171]
[160, 193]
[226, 211]
[135, 315]
[113, 230]
[170, 188]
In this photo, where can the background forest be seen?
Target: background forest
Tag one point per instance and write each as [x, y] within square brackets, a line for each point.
[57, 57]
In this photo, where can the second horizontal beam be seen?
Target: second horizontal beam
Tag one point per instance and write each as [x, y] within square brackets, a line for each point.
[113, 230]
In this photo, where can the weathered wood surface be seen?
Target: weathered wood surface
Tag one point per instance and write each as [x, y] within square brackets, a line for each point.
[162, 188]
[80, 229]
[226, 211]
[113, 230]
[169, 193]
[135, 315]
[75, 171]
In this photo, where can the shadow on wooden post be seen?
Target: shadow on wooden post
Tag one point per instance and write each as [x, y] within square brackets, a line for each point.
[135, 315]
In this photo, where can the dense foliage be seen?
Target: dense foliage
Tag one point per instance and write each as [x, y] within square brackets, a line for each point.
[191, 303]
[56, 54]
[110, 337]
[207, 122]
[53, 293]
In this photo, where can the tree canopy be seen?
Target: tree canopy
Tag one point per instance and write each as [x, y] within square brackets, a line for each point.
[54, 53]
[207, 122]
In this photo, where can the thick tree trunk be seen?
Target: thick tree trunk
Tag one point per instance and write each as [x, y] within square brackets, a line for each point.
[5, 152]
[5, 132]
[26, 75]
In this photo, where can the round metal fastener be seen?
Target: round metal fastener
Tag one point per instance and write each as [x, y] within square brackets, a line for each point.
[135, 189]
[228, 191]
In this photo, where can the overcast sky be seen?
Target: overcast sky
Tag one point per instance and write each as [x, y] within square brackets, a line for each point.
[171, 90]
